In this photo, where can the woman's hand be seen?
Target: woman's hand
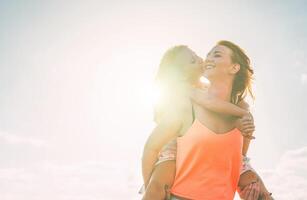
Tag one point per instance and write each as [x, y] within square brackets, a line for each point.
[246, 125]
[251, 191]
[264, 193]
[255, 190]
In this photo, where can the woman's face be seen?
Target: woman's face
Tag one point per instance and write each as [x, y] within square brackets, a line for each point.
[218, 62]
[191, 64]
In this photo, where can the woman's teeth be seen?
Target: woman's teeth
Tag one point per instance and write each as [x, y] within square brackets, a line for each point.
[205, 81]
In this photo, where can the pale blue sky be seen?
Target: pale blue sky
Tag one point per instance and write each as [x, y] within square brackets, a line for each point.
[76, 77]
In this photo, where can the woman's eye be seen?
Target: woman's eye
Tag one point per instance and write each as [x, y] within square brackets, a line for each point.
[217, 55]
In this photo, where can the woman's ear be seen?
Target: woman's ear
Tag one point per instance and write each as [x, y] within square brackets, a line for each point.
[234, 68]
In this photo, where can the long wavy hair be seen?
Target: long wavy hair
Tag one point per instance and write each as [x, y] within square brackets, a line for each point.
[170, 73]
[242, 84]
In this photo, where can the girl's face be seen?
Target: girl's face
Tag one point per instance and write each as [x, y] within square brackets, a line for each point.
[218, 62]
[191, 64]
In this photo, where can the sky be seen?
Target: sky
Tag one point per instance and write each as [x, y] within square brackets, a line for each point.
[76, 83]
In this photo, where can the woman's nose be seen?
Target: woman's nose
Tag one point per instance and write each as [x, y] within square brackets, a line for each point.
[209, 57]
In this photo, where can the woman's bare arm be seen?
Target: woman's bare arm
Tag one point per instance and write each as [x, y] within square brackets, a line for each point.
[252, 174]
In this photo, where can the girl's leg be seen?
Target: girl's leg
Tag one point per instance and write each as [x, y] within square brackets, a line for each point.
[247, 174]
[162, 177]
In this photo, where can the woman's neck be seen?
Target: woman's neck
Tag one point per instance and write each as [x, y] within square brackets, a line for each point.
[218, 122]
[221, 89]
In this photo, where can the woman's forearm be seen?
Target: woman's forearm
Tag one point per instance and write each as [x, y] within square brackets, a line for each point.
[251, 177]
[214, 104]
[264, 190]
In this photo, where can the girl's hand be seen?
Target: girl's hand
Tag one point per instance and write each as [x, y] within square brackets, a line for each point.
[246, 125]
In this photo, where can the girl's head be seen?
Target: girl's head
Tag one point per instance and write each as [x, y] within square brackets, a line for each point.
[225, 60]
[179, 65]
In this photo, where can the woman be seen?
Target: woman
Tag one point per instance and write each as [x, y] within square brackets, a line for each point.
[209, 154]
[171, 115]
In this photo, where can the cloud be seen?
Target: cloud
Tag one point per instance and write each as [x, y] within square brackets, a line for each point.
[119, 180]
[80, 181]
[17, 140]
[289, 179]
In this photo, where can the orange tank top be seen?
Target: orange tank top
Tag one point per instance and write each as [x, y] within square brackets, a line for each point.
[208, 164]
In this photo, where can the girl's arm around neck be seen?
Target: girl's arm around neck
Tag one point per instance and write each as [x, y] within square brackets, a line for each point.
[204, 99]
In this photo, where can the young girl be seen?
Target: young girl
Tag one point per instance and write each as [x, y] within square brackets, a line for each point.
[179, 70]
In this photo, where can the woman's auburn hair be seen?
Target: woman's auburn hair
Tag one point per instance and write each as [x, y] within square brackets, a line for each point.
[242, 84]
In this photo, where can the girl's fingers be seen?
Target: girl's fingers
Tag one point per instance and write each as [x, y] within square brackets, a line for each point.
[248, 131]
[248, 128]
[247, 118]
[248, 136]
[247, 123]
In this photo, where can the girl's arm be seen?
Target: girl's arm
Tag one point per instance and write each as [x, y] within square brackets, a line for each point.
[202, 98]
[245, 125]
[165, 131]
[249, 129]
